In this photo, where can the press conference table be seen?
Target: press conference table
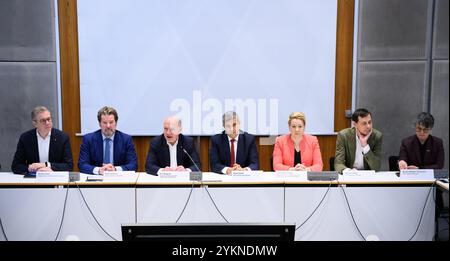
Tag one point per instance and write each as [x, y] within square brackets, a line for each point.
[383, 208]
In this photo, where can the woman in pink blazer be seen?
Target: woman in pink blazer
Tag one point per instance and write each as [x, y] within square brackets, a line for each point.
[297, 150]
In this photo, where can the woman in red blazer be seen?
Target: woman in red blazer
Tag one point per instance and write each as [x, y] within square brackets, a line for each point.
[297, 150]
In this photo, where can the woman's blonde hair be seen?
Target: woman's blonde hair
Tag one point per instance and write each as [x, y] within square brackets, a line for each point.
[297, 116]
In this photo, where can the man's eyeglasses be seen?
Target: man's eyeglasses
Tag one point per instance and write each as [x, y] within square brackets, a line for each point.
[44, 121]
[422, 129]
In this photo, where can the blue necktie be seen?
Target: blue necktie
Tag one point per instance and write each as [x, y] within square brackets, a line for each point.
[107, 153]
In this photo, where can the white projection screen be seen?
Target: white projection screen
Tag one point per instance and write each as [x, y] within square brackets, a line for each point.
[199, 58]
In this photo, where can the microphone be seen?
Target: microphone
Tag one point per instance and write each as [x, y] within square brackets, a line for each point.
[194, 175]
[198, 169]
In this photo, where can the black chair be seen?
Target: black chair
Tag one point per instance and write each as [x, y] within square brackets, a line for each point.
[331, 163]
[393, 163]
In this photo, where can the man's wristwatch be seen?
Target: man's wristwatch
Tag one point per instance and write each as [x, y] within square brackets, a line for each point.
[46, 164]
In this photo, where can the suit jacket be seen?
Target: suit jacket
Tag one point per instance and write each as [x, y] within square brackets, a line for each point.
[434, 152]
[27, 152]
[158, 155]
[283, 153]
[346, 148]
[220, 155]
[91, 152]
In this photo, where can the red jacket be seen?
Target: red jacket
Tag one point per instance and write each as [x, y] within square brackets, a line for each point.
[283, 153]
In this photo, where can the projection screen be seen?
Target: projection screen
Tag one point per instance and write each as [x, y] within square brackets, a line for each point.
[197, 59]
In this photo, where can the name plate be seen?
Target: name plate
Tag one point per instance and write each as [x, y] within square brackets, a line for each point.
[290, 173]
[416, 174]
[107, 175]
[359, 173]
[55, 176]
[94, 178]
[174, 174]
[246, 173]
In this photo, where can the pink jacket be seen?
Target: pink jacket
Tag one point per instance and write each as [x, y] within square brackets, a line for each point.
[283, 153]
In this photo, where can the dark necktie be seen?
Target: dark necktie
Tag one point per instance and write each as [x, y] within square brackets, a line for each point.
[107, 153]
[232, 157]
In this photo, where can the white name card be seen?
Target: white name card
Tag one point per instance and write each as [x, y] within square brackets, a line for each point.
[49, 176]
[416, 174]
[246, 173]
[291, 173]
[174, 174]
[359, 173]
[108, 175]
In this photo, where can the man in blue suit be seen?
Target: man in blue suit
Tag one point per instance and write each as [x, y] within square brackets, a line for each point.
[107, 149]
[233, 149]
[42, 148]
[171, 150]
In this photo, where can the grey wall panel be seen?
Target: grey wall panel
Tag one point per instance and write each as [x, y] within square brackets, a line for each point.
[440, 33]
[394, 93]
[22, 87]
[439, 103]
[27, 30]
[392, 29]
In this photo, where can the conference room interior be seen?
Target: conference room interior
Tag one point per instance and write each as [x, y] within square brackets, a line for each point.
[391, 57]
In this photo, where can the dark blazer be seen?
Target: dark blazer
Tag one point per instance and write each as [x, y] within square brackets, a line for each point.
[346, 149]
[246, 156]
[158, 155]
[27, 152]
[434, 152]
[91, 152]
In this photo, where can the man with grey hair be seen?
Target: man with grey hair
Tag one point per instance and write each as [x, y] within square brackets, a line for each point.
[171, 151]
[42, 148]
[422, 150]
[107, 149]
[233, 149]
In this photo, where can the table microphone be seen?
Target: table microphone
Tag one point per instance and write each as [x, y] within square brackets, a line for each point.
[194, 175]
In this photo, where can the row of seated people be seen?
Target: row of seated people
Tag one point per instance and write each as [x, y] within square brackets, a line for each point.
[45, 148]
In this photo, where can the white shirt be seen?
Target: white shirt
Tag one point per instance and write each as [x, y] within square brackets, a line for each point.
[173, 154]
[43, 146]
[359, 154]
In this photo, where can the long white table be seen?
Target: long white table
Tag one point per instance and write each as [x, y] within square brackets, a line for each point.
[383, 208]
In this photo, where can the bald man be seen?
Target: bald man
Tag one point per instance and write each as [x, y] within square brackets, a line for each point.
[166, 152]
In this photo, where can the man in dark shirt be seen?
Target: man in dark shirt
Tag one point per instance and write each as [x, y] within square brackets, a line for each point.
[422, 151]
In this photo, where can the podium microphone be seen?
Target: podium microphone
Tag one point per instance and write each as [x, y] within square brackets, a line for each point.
[194, 175]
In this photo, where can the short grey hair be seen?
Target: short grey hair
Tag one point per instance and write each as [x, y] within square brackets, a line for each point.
[37, 110]
[229, 115]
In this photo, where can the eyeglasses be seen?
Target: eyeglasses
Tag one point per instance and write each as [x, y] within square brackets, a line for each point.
[44, 121]
[422, 129]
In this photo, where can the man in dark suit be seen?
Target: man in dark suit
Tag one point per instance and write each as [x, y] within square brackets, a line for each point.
[107, 149]
[42, 148]
[233, 149]
[422, 150]
[171, 150]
